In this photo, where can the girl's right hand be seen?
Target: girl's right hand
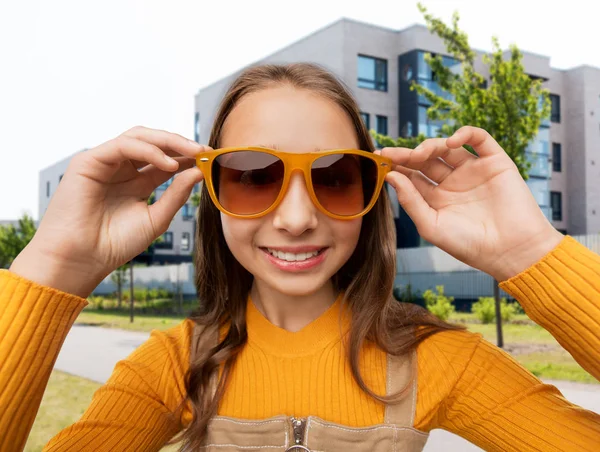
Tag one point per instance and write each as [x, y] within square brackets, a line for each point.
[99, 219]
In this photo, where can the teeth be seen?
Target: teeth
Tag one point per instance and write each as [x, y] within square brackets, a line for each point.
[291, 257]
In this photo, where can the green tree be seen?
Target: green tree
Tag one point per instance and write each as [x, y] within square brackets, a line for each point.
[510, 106]
[14, 239]
[195, 199]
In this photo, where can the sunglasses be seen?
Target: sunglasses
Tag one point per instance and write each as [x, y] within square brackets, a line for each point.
[249, 182]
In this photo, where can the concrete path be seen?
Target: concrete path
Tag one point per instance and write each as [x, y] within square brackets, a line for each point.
[92, 352]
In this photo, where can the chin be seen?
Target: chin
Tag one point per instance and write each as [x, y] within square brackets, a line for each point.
[296, 285]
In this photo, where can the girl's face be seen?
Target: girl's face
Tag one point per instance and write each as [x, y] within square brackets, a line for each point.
[291, 120]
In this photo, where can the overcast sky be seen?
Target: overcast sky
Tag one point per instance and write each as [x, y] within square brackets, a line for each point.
[76, 73]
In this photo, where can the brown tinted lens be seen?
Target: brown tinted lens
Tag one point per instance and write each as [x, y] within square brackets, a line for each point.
[344, 184]
[247, 182]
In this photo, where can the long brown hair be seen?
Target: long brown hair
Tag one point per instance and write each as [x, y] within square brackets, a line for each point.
[366, 279]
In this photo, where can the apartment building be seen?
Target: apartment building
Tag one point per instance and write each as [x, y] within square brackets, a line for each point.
[378, 64]
[177, 242]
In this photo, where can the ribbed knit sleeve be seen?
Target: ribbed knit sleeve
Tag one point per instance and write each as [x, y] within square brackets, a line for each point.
[476, 390]
[136, 409]
[34, 322]
[562, 294]
[479, 392]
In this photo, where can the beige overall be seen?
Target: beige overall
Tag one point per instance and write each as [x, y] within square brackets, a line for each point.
[312, 434]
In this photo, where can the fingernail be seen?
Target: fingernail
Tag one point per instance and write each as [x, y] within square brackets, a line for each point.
[194, 143]
[418, 148]
[169, 159]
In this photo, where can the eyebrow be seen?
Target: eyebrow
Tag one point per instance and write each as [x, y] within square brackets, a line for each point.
[275, 148]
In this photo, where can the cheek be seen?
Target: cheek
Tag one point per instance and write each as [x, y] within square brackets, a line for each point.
[346, 234]
[239, 235]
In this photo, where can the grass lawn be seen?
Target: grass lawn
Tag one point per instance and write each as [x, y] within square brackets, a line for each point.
[121, 320]
[65, 400]
[532, 346]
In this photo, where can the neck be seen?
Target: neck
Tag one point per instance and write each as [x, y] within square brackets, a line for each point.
[291, 312]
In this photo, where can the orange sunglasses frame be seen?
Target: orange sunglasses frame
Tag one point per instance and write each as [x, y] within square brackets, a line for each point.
[292, 162]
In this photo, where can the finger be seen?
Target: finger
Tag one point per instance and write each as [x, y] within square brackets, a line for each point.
[413, 202]
[431, 149]
[421, 182]
[103, 162]
[427, 158]
[478, 138]
[153, 177]
[164, 210]
[138, 164]
[167, 141]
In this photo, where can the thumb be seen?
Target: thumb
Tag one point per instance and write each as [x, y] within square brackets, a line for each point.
[173, 199]
[411, 200]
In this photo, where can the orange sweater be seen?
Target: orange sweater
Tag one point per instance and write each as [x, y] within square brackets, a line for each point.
[465, 384]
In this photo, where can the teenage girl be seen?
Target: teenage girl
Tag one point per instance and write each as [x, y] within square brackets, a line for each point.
[297, 343]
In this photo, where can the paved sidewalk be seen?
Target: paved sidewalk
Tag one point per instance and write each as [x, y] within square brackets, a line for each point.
[92, 352]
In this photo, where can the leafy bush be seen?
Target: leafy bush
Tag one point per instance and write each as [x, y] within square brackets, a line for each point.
[153, 294]
[97, 302]
[485, 310]
[164, 293]
[439, 304]
[140, 294]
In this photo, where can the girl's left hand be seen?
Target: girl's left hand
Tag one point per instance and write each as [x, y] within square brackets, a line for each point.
[479, 210]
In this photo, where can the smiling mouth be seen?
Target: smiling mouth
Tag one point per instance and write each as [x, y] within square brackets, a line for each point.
[293, 257]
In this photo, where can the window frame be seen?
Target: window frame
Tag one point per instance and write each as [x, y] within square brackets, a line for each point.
[556, 157]
[189, 241]
[165, 244]
[366, 117]
[556, 214]
[554, 116]
[384, 119]
[377, 85]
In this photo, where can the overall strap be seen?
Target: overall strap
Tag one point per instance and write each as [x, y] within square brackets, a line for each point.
[204, 337]
[402, 371]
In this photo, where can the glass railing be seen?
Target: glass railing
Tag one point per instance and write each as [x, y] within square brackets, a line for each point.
[547, 212]
[434, 88]
[540, 164]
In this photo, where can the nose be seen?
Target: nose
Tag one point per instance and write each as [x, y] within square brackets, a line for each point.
[296, 213]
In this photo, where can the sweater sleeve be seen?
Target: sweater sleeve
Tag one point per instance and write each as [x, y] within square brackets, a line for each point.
[134, 410]
[476, 390]
[137, 407]
[562, 294]
[479, 392]
[34, 321]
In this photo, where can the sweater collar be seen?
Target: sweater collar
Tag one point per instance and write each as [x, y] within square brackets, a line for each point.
[325, 329]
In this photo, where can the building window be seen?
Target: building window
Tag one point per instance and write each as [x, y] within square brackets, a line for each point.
[372, 73]
[556, 203]
[197, 127]
[186, 212]
[555, 110]
[407, 129]
[185, 241]
[167, 242]
[47, 189]
[381, 125]
[556, 157]
[366, 119]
